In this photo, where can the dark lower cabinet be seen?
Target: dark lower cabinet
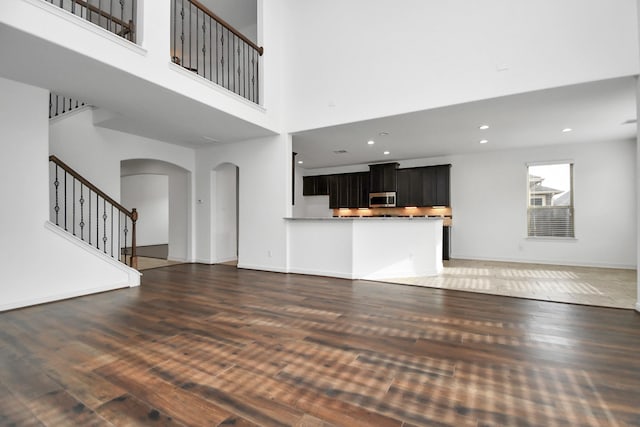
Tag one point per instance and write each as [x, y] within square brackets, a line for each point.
[446, 242]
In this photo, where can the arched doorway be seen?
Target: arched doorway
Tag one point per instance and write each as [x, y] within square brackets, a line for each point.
[160, 191]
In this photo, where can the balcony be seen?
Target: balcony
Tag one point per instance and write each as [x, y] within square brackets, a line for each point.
[200, 41]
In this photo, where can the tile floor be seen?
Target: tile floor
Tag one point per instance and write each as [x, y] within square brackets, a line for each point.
[605, 287]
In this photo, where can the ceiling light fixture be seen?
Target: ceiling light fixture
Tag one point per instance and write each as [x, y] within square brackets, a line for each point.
[484, 141]
[371, 142]
[300, 162]
[383, 133]
[385, 153]
[565, 130]
[484, 127]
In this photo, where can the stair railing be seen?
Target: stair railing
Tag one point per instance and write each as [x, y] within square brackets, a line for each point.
[207, 45]
[59, 104]
[117, 16]
[88, 213]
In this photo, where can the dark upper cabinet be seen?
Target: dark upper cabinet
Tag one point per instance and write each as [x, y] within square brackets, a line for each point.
[442, 185]
[410, 187]
[349, 190]
[315, 185]
[426, 186]
[382, 177]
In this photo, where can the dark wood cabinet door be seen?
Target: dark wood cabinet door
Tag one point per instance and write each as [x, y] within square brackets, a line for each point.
[403, 188]
[361, 190]
[308, 185]
[315, 185]
[332, 182]
[382, 177]
[428, 186]
[442, 186]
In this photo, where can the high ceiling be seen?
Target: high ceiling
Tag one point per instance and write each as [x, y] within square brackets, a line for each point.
[595, 111]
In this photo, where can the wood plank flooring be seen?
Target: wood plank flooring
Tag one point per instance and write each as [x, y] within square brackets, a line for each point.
[216, 346]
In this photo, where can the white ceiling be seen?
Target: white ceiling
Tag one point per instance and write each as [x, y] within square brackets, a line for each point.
[595, 111]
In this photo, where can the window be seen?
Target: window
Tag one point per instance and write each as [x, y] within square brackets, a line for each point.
[550, 194]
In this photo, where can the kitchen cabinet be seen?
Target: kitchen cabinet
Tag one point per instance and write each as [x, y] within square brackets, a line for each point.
[317, 185]
[442, 195]
[382, 177]
[349, 190]
[410, 187]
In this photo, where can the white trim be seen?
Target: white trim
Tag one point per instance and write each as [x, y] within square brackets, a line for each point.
[638, 306]
[83, 23]
[134, 275]
[262, 268]
[324, 273]
[71, 113]
[551, 239]
[204, 261]
[219, 261]
[61, 296]
[220, 89]
[544, 261]
[550, 162]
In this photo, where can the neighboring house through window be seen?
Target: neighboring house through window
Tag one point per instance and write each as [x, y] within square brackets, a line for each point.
[550, 211]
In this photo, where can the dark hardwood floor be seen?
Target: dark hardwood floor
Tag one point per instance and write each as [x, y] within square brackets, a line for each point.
[212, 345]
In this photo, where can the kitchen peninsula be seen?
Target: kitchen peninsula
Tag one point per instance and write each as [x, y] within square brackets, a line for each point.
[373, 248]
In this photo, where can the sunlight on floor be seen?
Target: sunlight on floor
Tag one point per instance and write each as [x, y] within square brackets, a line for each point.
[581, 285]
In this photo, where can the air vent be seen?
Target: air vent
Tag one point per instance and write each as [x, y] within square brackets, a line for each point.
[340, 151]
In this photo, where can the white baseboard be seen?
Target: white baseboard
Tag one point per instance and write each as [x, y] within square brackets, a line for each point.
[543, 261]
[339, 275]
[221, 260]
[263, 268]
[62, 296]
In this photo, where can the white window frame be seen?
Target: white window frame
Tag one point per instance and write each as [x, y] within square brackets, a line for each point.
[571, 206]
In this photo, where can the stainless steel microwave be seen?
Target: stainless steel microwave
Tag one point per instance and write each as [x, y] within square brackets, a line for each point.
[382, 200]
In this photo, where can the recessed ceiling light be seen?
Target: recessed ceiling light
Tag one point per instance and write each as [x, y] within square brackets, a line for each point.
[371, 142]
[300, 162]
[484, 141]
[484, 127]
[565, 130]
[385, 153]
[383, 133]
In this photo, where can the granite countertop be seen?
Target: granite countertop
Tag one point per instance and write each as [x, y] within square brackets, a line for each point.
[368, 218]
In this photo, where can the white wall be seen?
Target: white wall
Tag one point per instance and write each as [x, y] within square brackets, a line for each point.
[489, 204]
[265, 199]
[97, 153]
[37, 265]
[224, 183]
[149, 194]
[353, 60]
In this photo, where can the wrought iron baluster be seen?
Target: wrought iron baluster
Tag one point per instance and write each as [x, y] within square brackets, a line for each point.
[181, 35]
[197, 42]
[175, 20]
[97, 221]
[81, 211]
[104, 225]
[111, 231]
[222, 54]
[190, 38]
[73, 197]
[65, 200]
[89, 197]
[204, 45]
[56, 184]
[217, 61]
[210, 50]
[126, 230]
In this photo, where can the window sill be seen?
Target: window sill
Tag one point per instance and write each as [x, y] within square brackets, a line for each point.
[551, 239]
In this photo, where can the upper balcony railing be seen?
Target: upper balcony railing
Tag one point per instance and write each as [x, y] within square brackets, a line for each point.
[117, 16]
[205, 44]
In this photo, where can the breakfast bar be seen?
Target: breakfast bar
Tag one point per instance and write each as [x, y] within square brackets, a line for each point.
[373, 248]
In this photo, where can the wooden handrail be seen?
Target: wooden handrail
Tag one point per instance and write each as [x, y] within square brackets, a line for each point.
[95, 189]
[104, 14]
[228, 26]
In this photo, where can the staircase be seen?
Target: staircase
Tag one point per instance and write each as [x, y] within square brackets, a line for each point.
[82, 209]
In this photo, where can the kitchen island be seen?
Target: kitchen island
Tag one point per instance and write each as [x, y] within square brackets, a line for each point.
[374, 248]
